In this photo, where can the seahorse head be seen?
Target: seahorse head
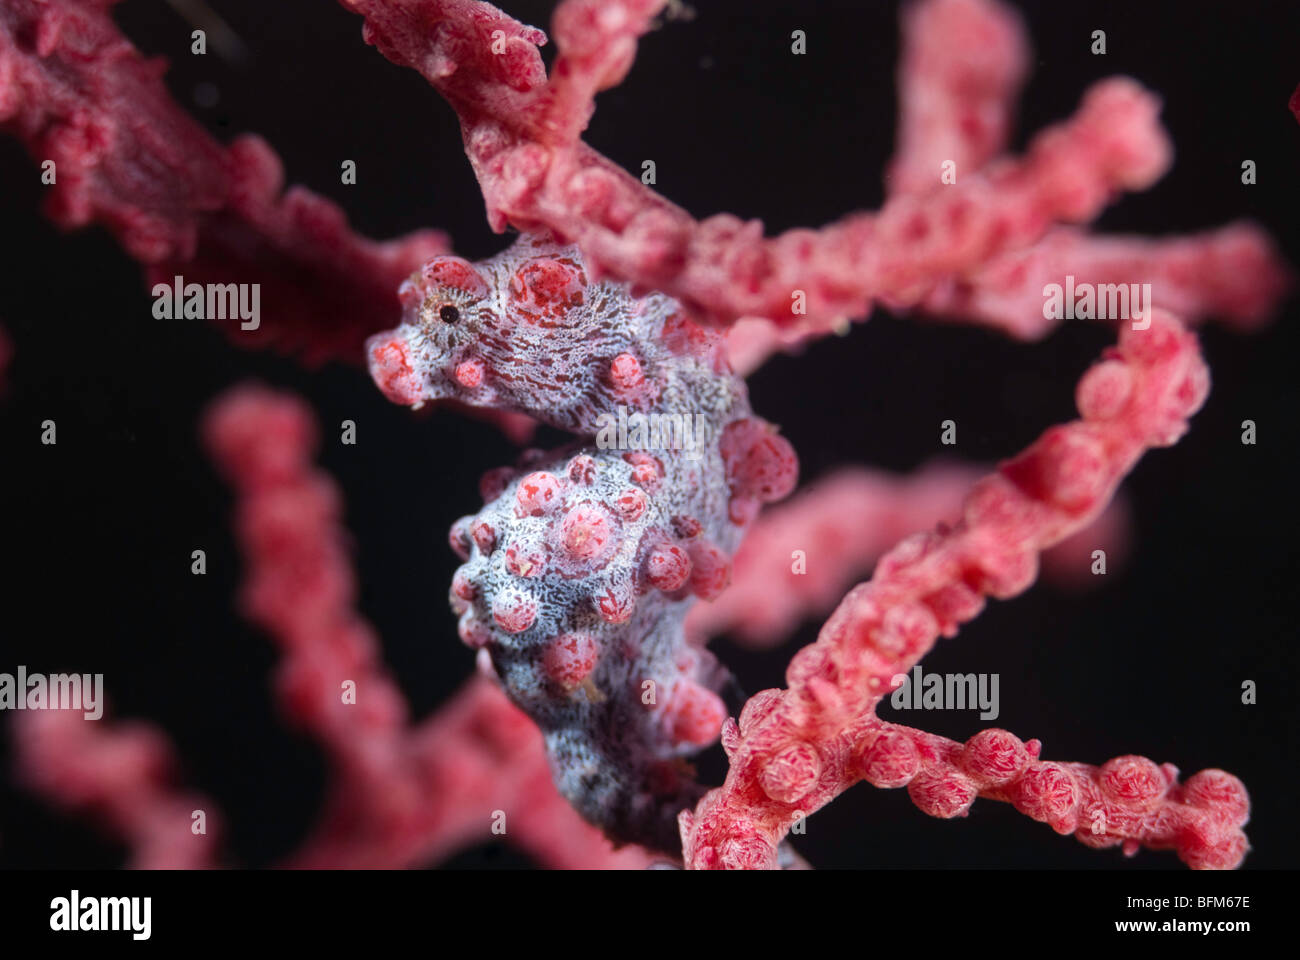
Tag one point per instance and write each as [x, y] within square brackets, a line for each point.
[526, 331]
[433, 353]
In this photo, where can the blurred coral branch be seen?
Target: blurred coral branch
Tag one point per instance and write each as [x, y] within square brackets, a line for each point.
[979, 247]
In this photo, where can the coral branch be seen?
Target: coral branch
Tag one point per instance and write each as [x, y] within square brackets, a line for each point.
[298, 584]
[794, 750]
[122, 777]
[324, 289]
[1128, 801]
[802, 555]
[962, 67]
[482, 61]
[582, 563]
[487, 66]
[597, 43]
[400, 797]
[1233, 273]
[723, 268]
[78, 95]
[477, 762]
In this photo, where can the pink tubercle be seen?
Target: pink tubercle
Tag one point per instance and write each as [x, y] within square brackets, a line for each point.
[390, 368]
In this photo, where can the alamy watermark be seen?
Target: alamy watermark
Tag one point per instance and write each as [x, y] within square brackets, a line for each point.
[75, 913]
[58, 691]
[1098, 301]
[946, 691]
[213, 301]
[653, 431]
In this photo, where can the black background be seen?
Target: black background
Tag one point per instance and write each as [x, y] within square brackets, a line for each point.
[97, 532]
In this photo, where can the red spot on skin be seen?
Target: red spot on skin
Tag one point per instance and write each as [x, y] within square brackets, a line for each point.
[694, 714]
[615, 604]
[582, 470]
[470, 374]
[461, 587]
[647, 471]
[458, 538]
[770, 469]
[494, 481]
[630, 504]
[625, 374]
[410, 295]
[472, 632]
[514, 612]
[485, 537]
[760, 462]
[525, 560]
[711, 570]
[570, 658]
[667, 567]
[587, 532]
[538, 494]
[454, 272]
[684, 337]
[390, 367]
[687, 527]
[548, 285]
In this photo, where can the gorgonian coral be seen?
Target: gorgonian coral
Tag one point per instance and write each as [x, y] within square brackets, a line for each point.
[617, 310]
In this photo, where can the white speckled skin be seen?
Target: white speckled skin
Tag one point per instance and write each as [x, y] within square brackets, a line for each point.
[570, 555]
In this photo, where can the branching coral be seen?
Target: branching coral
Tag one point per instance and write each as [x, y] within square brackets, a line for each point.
[581, 565]
[793, 750]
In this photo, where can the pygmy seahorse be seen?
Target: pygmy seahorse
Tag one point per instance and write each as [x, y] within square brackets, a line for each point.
[583, 561]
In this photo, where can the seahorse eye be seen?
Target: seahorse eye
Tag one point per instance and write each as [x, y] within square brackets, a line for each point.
[449, 313]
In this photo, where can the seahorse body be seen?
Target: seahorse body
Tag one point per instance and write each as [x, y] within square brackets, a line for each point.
[582, 563]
